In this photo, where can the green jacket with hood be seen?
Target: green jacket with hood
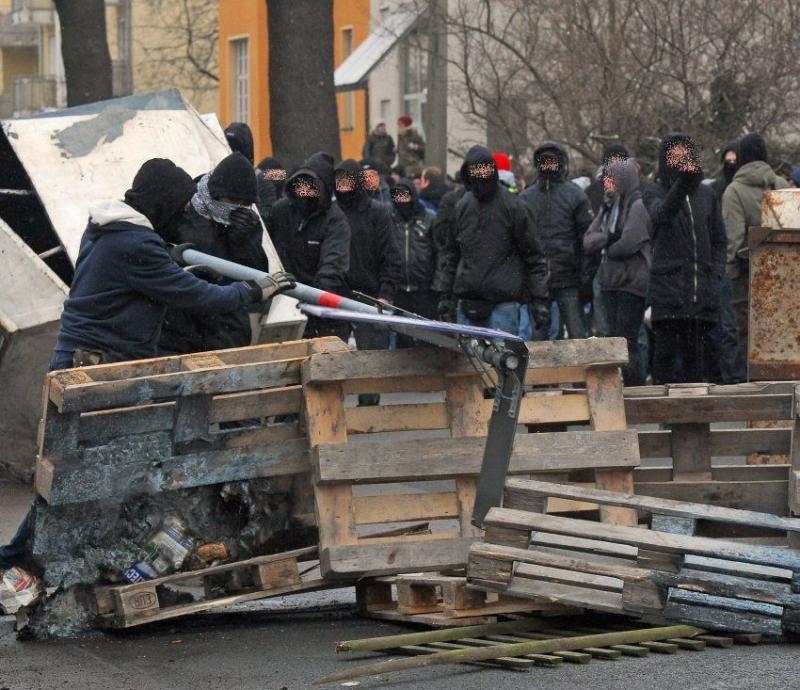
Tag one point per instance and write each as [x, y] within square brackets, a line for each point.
[741, 206]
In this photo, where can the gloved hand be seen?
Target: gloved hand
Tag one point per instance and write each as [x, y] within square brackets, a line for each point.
[176, 252]
[540, 314]
[446, 309]
[270, 285]
[243, 221]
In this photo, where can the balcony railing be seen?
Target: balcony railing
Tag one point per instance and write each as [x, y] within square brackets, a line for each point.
[34, 94]
[36, 12]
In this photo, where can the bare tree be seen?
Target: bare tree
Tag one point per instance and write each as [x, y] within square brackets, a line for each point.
[84, 49]
[303, 114]
[180, 46]
[583, 71]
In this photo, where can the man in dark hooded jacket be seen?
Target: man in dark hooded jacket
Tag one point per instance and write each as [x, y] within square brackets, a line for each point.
[562, 215]
[373, 261]
[492, 261]
[312, 236]
[270, 189]
[688, 262]
[218, 221]
[240, 139]
[414, 245]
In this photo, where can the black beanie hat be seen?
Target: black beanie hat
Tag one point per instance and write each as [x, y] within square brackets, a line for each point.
[234, 178]
[615, 150]
[752, 147]
[270, 163]
[160, 191]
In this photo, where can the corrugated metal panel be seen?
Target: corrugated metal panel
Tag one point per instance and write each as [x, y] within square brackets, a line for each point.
[354, 71]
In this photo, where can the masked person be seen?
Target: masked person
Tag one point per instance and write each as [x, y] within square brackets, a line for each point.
[620, 234]
[125, 278]
[413, 241]
[741, 209]
[379, 146]
[410, 147]
[218, 221]
[312, 236]
[373, 261]
[562, 215]
[272, 181]
[727, 158]
[492, 261]
[688, 262]
[374, 182]
[240, 138]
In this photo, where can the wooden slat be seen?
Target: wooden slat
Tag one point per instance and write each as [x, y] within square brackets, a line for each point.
[129, 392]
[382, 461]
[579, 597]
[371, 419]
[648, 539]
[548, 409]
[723, 442]
[761, 496]
[406, 384]
[691, 452]
[405, 507]
[710, 408]
[393, 557]
[654, 505]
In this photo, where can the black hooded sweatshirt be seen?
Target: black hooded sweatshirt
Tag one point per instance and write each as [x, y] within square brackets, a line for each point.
[412, 234]
[491, 253]
[689, 242]
[562, 214]
[374, 263]
[315, 248]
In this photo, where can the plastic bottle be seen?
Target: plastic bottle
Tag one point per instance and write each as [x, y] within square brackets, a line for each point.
[165, 552]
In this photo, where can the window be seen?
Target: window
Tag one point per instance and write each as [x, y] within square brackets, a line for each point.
[415, 77]
[241, 79]
[348, 99]
[124, 38]
[386, 108]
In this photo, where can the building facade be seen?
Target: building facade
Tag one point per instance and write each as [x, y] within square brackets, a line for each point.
[244, 69]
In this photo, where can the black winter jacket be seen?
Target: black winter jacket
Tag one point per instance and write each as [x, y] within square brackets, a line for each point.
[316, 249]
[492, 253]
[184, 332]
[562, 214]
[414, 245]
[689, 246]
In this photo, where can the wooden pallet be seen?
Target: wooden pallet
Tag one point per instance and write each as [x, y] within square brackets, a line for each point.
[347, 510]
[664, 573]
[125, 606]
[438, 601]
[114, 430]
[691, 444]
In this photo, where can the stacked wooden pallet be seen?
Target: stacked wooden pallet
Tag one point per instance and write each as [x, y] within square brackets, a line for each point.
[664, 573]
[363, 482]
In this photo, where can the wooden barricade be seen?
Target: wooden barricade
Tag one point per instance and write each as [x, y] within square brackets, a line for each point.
[689, 410]
[115, 430]
[665, 573]
[457, 420]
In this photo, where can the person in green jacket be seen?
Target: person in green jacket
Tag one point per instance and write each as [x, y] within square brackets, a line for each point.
[741, 210]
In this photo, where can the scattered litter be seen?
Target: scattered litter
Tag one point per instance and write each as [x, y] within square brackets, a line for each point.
[18, 588]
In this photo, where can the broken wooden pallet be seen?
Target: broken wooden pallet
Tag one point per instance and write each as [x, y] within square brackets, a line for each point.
[347, 511]
[691, 444]
[114, 430]
[438, 601]
[125, 606]
[665, 573]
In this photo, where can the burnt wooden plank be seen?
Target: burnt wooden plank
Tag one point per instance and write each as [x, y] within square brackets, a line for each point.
[381, 461]
[708, 408]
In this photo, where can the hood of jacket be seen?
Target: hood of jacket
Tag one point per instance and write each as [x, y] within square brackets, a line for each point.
[240, 139]
[352, 168]
[560, 152]
[405, 183]
[103, 213]
[665, 175]
[752, 148]
[160, 192]
[324, 191]
[626, 174]
[322, 165]
[477, 155]
[756, 174]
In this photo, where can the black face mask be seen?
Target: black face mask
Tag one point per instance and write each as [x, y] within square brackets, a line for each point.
[484, 188]
[347, 199]
[305, 205]
[729, 170]
[405, 209]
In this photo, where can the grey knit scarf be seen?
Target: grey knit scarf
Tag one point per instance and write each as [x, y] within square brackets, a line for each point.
[208, 207]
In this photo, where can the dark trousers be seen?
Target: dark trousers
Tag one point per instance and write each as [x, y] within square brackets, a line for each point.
[320, 328]
[724, 359]
[420, 302]
[624, 313]
[679, 350]
[570, 311]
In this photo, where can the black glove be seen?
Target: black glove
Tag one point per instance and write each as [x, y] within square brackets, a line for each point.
[205, 273]
[176, 252]
[243, 221]
[446, 309]
[540, 315]
[270, 285]
[691, 179]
